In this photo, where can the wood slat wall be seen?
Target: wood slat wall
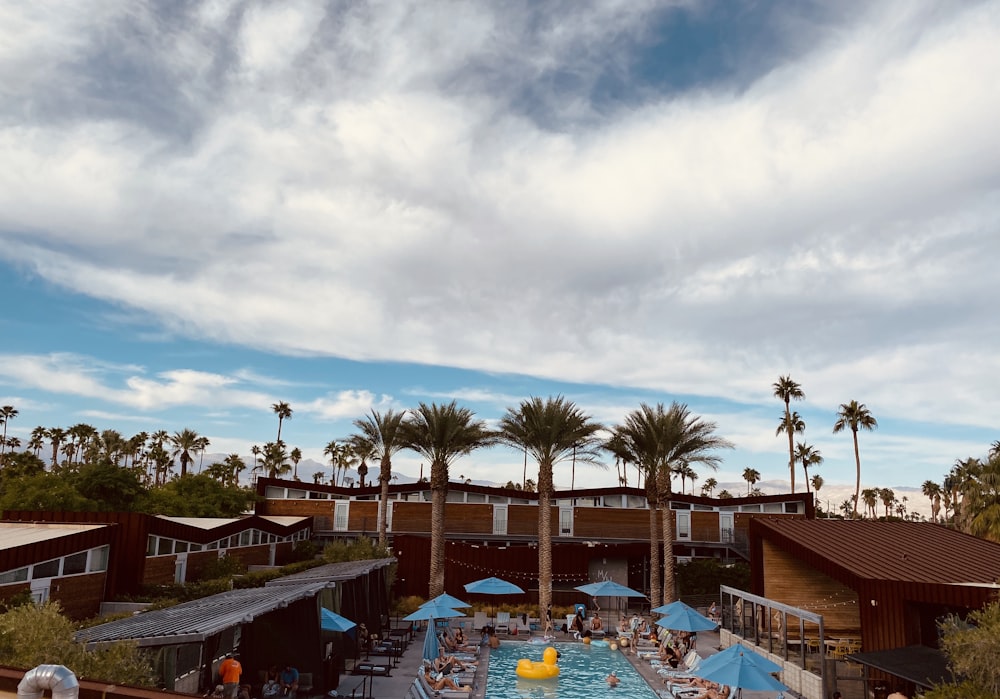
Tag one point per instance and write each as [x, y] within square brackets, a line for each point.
[616, 523]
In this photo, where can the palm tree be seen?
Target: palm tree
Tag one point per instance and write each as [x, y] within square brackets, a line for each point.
[296, 456]
[751, 476]
[332, 451]
[809, 456]
[888, 497]
[7, 413]
[284, 412]
[551, 430]
[184, 442]
[275, 457]
[932, 491]
[234, 466]
[817, 483]
[791, 424]
[981, 500]
[37, 441]
[787, 390]
[56, 435]
[656, 439]
[684, 470]
[855, 416]
[709, 486]
[441, 434]
[870, 497]
[382, 436]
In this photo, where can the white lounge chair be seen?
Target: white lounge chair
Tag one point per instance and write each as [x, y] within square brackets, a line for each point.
[503, 622]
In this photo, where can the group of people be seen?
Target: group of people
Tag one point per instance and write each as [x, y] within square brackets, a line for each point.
[278, 683]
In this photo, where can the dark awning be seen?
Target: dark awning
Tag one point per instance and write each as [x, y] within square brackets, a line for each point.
[920, 665]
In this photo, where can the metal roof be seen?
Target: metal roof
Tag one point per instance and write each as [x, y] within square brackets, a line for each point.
[332, 572]
[193, 622]
[14, 534]
[917, 552]
[917, 664]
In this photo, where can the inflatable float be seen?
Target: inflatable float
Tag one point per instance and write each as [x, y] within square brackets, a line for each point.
[599, 644]
[544, 670]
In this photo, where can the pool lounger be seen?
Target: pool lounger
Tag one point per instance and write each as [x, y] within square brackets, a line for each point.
[372, 669]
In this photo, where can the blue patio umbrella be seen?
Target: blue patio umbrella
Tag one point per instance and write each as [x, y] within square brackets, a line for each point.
[743, 673]
[608, 588]
[433, 611]
[447, 600]
[686, 619]
[669, 607]
[431, 644]
[331, 621]
[729, 653]
[493, 586]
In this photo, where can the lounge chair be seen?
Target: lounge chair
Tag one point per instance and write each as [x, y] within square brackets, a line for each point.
[503, 622]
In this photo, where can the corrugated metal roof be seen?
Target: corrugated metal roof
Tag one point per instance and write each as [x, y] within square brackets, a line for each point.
[14, 534]
[919, 552]
[194, 621]
[332, 572]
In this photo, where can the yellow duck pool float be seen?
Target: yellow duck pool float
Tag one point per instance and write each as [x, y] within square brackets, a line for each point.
[544, 670]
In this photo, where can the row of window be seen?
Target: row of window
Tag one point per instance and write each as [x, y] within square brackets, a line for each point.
[93, 560]
[164, 546]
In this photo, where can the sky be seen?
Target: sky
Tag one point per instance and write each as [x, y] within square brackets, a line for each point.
[210, 207]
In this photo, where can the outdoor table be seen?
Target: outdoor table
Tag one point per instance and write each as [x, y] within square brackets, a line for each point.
[349, 687]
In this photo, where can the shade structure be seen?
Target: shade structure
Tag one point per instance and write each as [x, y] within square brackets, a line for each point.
[686, 619]
[447, 600]
[729, 653]
[670, 607]
[431, 644]
[433, 611]
[331, 621]
[608, 588]
[493, 586]
[743, 673]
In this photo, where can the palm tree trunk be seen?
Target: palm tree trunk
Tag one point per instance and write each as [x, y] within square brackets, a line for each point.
[669, 563]
[385, 471]
[791, 443]
[857, 482]
[436, 585]
[544, 539]
[655, 589]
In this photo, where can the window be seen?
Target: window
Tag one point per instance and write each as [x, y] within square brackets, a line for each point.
[196, 547]
[75, 564]
[245, 538]
[151, 546]
[99, 559]
[49, 569]
[180, 547]
[256, 536]
[13, 576]
[500, 519]
[683, 525]
[340, 516]
[166, 547]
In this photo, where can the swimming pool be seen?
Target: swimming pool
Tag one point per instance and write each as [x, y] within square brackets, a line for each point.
[582, 669]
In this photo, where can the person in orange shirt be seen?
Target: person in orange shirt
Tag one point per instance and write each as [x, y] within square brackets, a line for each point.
[230, 671]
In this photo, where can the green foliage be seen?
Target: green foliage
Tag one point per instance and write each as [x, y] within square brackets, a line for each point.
[44, 491]
[20, 463]
[198, 496]
[20, 599]
[702, 576]
[407, 605]
[110, 487]
[972, 647]
[33, 635]
[360, 549]
[306, 550]
[224, 567]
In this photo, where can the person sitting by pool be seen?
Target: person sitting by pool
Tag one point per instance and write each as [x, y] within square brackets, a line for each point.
[460, 638]
[454, 645]
[494, 641]
[714, 614]
[623, 625]
[643, 628]
[596, 624]
[670, 654]
[705, 688]
[440, 681]
[612, 679]
[577, 625]
[447, 663]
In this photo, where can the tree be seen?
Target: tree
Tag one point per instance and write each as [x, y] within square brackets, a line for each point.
[284, 412]
[551, 431]
[888, 497]
[382, 437]
[981, 501]
[709, 486]
[787, 390]
[932, 491]
[7, 413]
[56, 437]
[197, 495]
[870, 497]
[817, 483]
[725, 495]
[808, 456]
[855, 416]
[791, 424]
[184, 442]
[751, 476]
[109, 487]
[972, 647]
[296, 457]
[441, 434]
[274, 459]
[657, 439]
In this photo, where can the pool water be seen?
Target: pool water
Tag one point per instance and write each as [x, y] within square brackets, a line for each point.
[582, 669]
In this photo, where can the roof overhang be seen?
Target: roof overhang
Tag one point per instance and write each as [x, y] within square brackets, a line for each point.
[920, 665]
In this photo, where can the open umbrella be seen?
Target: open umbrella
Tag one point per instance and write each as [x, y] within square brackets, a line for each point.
[447, 600]
[433, 611]
[729, 653]
[670, 607]
[431, 644]
[686, 619]
[743, 673]
[493, 587]
[331, 621]
[608, 588]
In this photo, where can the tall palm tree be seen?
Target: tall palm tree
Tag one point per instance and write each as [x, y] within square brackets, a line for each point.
[184, 442]
[658, 439]
[684, 470]
[932, 491]
[709, 486]
[296, 456]
[332, 451]
[275, 457]
[870, 497]
[808, 455]
[382, 437]
[817, 483]
[888, 497]
[787, 390]
[551, 430]
[441, 434]
[284, 412]
[855, 416]
[751, 476]
[791, 424]
[981, 500]
[7, 413]
[56, 435]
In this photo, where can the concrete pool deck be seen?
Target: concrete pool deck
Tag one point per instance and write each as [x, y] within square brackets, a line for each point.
[398, 683]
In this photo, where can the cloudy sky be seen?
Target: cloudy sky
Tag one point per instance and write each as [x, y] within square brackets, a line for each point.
[208, 207]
